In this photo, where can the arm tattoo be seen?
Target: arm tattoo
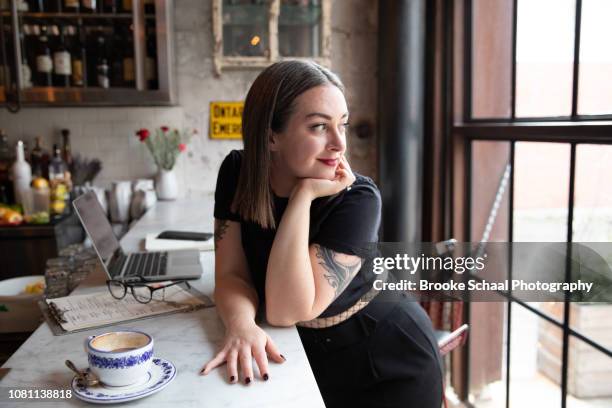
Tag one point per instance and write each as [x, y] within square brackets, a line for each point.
[337, 274]
[220, 228]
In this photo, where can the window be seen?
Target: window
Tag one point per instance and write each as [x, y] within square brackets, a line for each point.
[534, 96]
[255, 33]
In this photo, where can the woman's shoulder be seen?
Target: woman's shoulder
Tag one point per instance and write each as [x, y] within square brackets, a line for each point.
[363, 188]
[230, 166]
[233, 158]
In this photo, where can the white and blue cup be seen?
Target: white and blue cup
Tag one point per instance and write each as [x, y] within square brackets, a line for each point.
[120, 358]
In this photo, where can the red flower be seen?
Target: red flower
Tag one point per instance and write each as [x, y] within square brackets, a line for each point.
[142, 134]
[164, 129]
[182, 147]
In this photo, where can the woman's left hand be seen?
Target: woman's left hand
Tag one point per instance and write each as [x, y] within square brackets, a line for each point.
[316, 188]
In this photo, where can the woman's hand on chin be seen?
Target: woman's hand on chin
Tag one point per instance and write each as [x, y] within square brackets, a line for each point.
[315, 188]
[243, 342]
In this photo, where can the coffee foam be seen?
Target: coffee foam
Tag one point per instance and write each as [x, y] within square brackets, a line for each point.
[120, 340]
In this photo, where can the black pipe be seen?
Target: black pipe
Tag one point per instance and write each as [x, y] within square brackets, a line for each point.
[401, 113]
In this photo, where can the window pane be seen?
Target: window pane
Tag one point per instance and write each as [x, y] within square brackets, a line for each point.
[487, 327]
[534, 367]
[488, 354]
[492, 58]
[489, 161]
[245, 28]
[595, 84]
[592, 227]
[541, 189]
[544, 57]
[299, 28]
[593, 194]
[590, 371]
[535, 360]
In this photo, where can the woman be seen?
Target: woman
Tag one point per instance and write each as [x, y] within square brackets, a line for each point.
[293, 233]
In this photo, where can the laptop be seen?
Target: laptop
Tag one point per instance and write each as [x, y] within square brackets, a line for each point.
[153, 266]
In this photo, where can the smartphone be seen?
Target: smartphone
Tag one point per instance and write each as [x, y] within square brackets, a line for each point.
[185, 235]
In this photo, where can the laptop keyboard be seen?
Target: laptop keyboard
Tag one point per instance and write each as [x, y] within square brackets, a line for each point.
[147, 264]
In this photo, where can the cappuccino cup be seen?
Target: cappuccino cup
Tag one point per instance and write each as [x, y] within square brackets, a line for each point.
[120, 358]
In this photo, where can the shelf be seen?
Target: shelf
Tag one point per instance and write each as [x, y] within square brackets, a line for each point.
[104, 16]
[50, 96]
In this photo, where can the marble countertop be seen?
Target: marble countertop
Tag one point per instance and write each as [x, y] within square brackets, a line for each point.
[188, 340]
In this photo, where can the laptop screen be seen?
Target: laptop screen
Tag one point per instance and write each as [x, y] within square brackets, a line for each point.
[97, 226]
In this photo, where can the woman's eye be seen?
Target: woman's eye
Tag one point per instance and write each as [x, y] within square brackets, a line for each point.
[319, 127]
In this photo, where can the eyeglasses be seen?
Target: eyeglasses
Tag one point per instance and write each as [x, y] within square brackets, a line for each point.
[143, 290]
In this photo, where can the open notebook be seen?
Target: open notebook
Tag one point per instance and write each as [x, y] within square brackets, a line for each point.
[82, 312]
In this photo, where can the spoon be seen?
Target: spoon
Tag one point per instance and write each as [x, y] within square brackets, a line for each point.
[86, 376]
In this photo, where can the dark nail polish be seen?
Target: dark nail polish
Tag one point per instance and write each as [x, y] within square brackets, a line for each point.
[232, 378]
[247, 380]
[265, 377]
[283, 357]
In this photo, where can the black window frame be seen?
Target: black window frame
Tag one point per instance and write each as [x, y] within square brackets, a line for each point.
[573, 130]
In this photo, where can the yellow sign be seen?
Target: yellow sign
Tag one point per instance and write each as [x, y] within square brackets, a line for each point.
[226, 120]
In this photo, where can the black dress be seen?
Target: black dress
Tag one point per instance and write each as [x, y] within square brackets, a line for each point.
[383, 356]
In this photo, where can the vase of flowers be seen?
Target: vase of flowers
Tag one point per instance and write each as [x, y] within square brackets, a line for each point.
[165, 146]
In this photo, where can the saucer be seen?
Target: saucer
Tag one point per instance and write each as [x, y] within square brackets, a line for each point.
[161, 374]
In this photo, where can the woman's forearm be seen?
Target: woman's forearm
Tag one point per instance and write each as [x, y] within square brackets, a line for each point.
[236, 301]
[290, 286]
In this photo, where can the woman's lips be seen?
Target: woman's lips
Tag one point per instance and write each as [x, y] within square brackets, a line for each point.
[329, 162]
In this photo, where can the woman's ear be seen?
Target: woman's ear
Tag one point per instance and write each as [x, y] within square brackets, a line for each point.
[273, 141]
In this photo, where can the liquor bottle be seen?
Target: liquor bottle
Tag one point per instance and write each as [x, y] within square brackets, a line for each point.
[62, 64]
[21, 173]
[44, 63]
[79, 56]
[37, 158]
[126, 6]
[57, 167]
[102, 63]
[89, 6]
[30, 40]
[53, 34]
[66, 149]
[71, 6]
[150, 67]
[116, 42]
[6, 74]
[129, 68]
[26, 71]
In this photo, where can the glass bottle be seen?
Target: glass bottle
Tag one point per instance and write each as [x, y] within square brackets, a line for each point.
[57, 167]
[44, 63]
[62, 64]
[66, 149]
[21, 173]
[79, 55]
[102, 63]
[36, 158]
[129, 68]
